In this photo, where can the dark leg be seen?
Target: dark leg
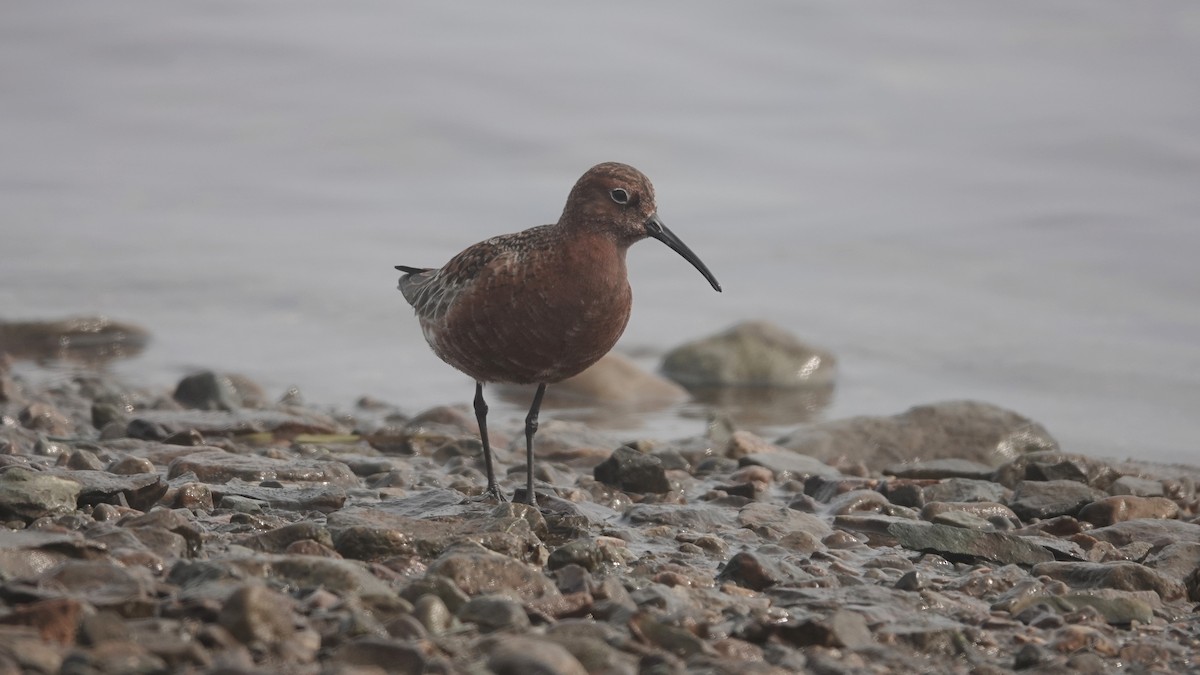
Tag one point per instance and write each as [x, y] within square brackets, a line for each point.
[531, 425]
[481, 411]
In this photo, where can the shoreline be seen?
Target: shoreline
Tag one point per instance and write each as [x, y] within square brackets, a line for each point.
[213, 528]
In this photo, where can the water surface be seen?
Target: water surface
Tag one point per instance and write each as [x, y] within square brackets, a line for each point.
[959, 199]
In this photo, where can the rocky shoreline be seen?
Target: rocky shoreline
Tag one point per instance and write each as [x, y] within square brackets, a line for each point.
[210, 530]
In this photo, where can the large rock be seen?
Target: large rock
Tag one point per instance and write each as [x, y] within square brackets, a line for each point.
[971, 430]
[86, 339]
[751, 354]
[27, 495]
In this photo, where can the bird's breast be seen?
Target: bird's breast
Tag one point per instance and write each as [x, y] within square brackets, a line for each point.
[538, 318]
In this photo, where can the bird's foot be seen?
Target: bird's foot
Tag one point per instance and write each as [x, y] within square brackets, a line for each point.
[491, 494]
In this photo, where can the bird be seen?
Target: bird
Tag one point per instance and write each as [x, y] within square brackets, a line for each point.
[538, 306]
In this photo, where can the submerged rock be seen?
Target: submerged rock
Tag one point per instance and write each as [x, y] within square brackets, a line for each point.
[750, 354]
[86, 339]
[966, 430]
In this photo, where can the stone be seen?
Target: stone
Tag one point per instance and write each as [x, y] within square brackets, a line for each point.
[757, 572]
[843, 628]
[139, 491]
[788, 465]
[529, 656]
[28, 495]
[774, 521]
[966, 430]
[633, 471]
[1051, 465]
[971, 545]
[207, 390]
[45, 418]
[493, 613]
[477, 571]
[218, 466]
[966, 490]
[383, 655]
[998, 516]
[750, 354]
[29, 553]
[1152, 531]
[1050, 498]
[1109, 510]
[1136, 486]
[256, 615]
[1122, 576]
[950, 467]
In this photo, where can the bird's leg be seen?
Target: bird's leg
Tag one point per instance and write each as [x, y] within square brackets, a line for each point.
[481, 411]
[531, 426]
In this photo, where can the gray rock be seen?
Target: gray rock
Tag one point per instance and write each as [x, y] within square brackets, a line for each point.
[1050, 498]
[697, 518]
[590, 554]
[1051, 465]
[256, 615]
[128, 591]
[139, 491]
[239, 496]
[477, 571]
[218, 466]
[433, 614]
[1119, 508]
[527, 656]
[788, 465]
[1177, 561]
[966, 490]
[208, 391]
[85, 339]
[633, 471]
[160, 424]
[28, 495]
[494, 612]
[998, 516]
[958, 543]
[300, 571]
[950, 467]
[843, 628]
[384, 655]
[1139, 487]
[1122, 576]
[28, 553]
[1117, 607]
[750, 354]
[968, 430]
[379, 531]
[45, 418]
[1151, 531]
[757, 571]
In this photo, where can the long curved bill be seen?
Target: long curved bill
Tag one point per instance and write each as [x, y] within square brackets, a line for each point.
[656, 229]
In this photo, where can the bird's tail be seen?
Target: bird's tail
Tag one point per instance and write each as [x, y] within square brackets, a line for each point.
[412, 270]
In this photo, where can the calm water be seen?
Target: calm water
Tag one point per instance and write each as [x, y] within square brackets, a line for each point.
[960, 199]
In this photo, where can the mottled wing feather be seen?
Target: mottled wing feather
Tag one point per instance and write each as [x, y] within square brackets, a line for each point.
[432, 292]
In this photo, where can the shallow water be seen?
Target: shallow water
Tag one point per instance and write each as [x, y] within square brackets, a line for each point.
[959, 199]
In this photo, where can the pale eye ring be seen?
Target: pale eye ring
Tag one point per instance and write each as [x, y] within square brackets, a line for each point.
[619, 195]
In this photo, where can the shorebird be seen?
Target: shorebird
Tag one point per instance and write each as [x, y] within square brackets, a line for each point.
[541, 305]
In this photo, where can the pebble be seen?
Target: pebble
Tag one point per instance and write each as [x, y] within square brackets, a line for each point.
[253, 550]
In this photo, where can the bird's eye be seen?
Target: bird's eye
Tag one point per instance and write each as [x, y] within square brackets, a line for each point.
[619, 196]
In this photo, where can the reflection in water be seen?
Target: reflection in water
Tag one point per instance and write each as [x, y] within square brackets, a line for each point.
[87, 340]
[758, 407]
[752, 408]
